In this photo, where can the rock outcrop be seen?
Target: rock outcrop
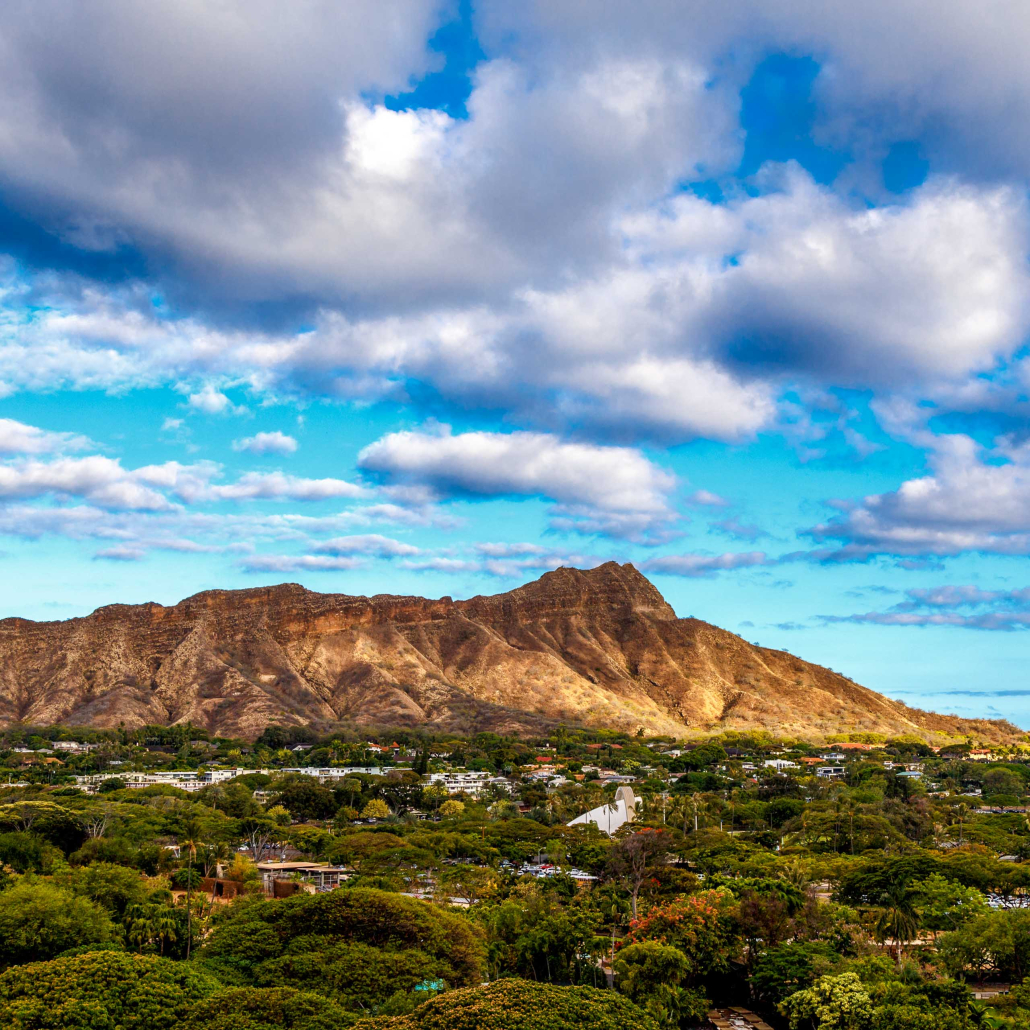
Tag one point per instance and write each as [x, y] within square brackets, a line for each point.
[599, 647]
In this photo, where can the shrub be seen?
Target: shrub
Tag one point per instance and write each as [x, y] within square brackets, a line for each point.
[520, 1005]
[281, 1008]
[357, 946]
[39, 921]
[100, 991]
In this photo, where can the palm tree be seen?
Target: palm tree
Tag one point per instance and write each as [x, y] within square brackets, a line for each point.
[897, 918]
[189, 839]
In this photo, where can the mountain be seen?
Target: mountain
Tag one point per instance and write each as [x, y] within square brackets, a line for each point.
[599, 647]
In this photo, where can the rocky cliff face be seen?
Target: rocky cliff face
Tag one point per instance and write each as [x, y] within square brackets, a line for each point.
[600, 647]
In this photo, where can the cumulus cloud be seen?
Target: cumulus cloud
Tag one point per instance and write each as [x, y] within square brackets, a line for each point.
[106, 483]
[537, 256]
[538, 259]
[369, 544]
[267, 443]
[873, 297]
[965, 607]
[707, 499]
[615, 479]
[194, 484]
[212, 401]
[956, 82]
[698, 565]
[442, 564]
[973, 499]
[19, 438]
[120, 553]
[299, 563]
[99, 480]
[276, 486]
[733, 527]
[669, 340]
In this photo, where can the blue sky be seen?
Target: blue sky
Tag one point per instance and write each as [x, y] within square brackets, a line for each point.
[464, 292]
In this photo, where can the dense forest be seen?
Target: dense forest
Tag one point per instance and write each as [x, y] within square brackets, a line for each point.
[158, 878]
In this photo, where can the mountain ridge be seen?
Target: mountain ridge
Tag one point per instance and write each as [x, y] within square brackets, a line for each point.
[598, 647]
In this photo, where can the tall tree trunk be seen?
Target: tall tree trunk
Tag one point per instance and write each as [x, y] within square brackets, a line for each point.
[189, 907]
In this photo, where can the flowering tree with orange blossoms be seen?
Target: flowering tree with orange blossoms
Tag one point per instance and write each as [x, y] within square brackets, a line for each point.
[700, 925]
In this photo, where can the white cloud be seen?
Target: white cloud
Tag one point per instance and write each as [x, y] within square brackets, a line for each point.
[957, 80]
[104, 482]
[972, 500]
[667, 340]
[99, 480]
[19, 438]
[698, 565]
[370, 544]
[212, 401]
[934, 289]
[194, 484]
[267, 443]
[442, 565]
[498, 550]
[965, 607]
[299, 563]
[616, 479]
[121, 553]
[275, 486]
[707, 499]
[506, 561]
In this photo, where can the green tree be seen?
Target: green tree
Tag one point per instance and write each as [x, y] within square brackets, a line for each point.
[189, 840]
[1003, 781]
[39, 920]
[705, 755]
[25, 853]
[307, 799]
[151, 924]
[945, 904]
[356, 946]
[515, 1004]
[651, 975]
[998, 942]
[100, 991]
[897, 919]
[471, 883]
[111, 886]
[451, 808]
[781, 971]
[276, 1008]
[831, 1003]
[375, 809]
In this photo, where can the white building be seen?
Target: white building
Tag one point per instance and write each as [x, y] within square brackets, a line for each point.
[471, 783]
[194, 780]
[779, 764]
[610, 818]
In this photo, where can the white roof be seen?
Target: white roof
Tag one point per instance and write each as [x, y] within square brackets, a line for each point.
[611, 818]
